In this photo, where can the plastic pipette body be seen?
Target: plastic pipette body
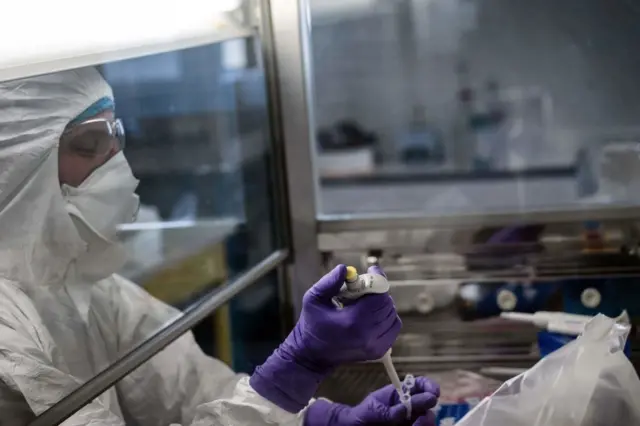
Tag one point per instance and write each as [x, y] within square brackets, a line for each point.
[357, 286]
[555, 322]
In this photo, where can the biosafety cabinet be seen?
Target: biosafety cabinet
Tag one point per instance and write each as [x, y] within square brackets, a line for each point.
[484, 152]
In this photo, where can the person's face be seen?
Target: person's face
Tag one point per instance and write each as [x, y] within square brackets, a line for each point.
[84, 147]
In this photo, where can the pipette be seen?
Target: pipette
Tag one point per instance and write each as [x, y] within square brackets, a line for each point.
[357, 286]
[392, 373]
[558, 322]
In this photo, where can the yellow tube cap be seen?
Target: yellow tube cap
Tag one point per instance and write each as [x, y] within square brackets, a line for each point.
[352, 273]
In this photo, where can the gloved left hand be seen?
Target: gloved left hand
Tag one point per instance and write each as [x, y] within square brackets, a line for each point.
[382, 407]
[324, 338]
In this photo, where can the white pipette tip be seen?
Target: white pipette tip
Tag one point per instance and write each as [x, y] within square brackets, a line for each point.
[538, 319]
[405, 398]
[517, 316]
[403, 388]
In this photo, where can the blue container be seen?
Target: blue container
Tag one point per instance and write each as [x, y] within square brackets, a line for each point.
[617, 295]
[549, 342]
[480, 300]
[449, 414]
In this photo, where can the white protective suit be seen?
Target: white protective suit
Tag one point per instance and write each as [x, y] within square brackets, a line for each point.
[61, 321]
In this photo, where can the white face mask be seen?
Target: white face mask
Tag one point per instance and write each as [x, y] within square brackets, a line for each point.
[106, 198]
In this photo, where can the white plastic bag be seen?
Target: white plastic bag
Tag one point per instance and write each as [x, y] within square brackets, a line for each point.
[589, 382]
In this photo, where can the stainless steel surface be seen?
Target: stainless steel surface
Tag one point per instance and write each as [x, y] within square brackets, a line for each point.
[289, 46]
[443, 335]
[373, 222]
[278, 162]
[561, 237]
[524, 274]
[260, 15]
[103, 381]
[409, 269]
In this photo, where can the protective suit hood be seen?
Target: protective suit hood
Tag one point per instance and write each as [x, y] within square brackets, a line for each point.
[59, 329]
[38, 239]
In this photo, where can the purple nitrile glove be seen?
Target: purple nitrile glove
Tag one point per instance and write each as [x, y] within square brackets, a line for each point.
[324, 338]
[382, 407]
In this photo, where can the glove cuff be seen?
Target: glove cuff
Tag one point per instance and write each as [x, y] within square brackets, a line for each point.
[325, 413]
[285, 382]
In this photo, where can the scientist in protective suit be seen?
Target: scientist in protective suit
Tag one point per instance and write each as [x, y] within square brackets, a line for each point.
[64, 315]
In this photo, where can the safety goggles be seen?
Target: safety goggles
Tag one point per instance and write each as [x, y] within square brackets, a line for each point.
[94, 137]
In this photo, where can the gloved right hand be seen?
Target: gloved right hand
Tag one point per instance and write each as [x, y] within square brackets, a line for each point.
[324, 338]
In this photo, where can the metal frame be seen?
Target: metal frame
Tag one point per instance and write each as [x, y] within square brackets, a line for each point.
[109, 377]
[52, 65]
[332, 224]
[286, 42]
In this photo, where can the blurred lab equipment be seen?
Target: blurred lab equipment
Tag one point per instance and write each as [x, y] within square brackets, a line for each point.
[502, 249]
[501, 128]
[559, 329]
[488, 299]
[422, 143]
[609, 172]
[590, 296]
[346, 134]
[588, 382]
[528, 120]
[346, 148]
[552, 321]
[487, 125]
[423, 296]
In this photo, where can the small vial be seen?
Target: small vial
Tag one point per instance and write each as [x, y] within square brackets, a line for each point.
[406, 401]
[409, 382]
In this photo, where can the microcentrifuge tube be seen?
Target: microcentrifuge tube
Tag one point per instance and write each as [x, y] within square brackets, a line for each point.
[405, 398]
[407, 384]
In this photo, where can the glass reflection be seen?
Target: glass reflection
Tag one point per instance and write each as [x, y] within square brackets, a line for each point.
[465, 106]
[128, 192]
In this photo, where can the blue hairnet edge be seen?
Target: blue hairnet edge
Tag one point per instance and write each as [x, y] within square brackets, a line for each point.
[101, 105]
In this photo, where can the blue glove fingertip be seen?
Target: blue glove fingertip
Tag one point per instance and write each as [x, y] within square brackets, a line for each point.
[423, 402]
[398, 414]
[426, 385]
[376, 270]
[420, 406]
[329, 285]
[427, 420]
